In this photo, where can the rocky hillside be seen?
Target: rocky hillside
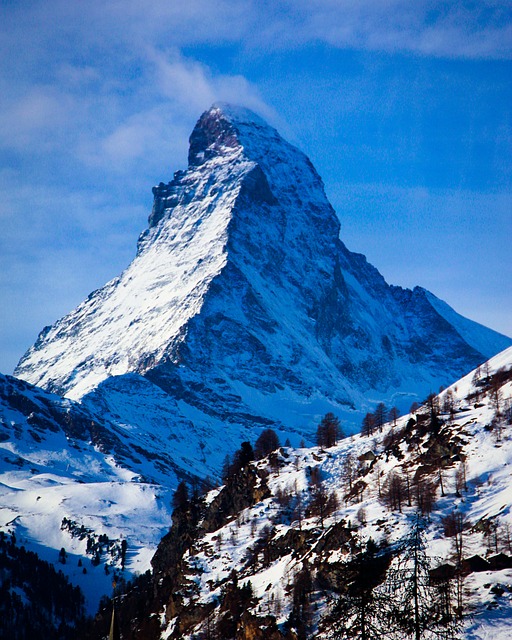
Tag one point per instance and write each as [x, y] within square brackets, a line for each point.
[243, 309]
[334, 541]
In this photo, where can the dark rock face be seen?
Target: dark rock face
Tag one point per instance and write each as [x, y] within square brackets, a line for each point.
[244, 306]
[245, 489]
[209, 136]
[169, 587]
[47, 413]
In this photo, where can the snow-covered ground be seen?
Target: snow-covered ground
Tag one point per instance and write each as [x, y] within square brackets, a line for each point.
[51, 477]
[46, 476]
[487, 457]
[34, 506]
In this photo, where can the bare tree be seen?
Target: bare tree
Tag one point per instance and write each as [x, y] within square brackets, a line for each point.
[454, 526]
[361, 612]
[425, 494]
[321, 503]
[449, 403]
[414, 407]
[300, 616]
[380, 415]
[368, 425]
[348, 470]
[496, 394]
[460, 479]
[394, 414]
[393, 491]
[298, 508]
[476, 377]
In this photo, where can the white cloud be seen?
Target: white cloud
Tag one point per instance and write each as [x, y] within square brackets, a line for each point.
[34, 119]
[171, 94]
[155, 136]
[194, 86]
[434, 28]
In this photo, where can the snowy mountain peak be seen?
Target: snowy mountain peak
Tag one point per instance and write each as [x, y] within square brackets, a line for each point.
[217, 132]
[256, 159]
[225, 127]
[244, 307]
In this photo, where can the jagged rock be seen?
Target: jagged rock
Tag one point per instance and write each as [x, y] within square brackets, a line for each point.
[191, 520]
[243, 490]
[244, 309]
[254, 628]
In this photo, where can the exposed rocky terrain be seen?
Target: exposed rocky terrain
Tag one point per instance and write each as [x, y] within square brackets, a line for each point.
[244, 314]
[313, 543]
[244, 309]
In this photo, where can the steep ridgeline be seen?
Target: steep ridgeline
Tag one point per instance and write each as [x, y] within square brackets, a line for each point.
[404, 531]
[245, 309]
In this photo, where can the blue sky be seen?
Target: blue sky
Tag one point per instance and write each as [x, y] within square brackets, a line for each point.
[405, 108]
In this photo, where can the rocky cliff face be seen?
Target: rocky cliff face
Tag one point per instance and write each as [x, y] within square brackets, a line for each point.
[243, 306]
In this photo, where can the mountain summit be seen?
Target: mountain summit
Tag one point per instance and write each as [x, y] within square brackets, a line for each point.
[243, 306]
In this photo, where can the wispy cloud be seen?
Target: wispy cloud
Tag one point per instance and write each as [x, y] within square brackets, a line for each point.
[192, 85]
[65, 79]
[97, 100]
[172, 92]
[465, 29]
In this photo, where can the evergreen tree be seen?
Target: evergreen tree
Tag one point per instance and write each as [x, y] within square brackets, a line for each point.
[180, 498]
[267, 442]
[241, 459]
[300, 616]
[421, 608]
[328, 431]
[361, 612]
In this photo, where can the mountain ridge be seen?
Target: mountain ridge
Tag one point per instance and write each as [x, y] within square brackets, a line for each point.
[242, 296]
[413, 516]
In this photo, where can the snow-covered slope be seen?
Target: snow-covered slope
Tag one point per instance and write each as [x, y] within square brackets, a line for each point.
[66, 477]
[244, 306]
[57, 462]
[260, 557]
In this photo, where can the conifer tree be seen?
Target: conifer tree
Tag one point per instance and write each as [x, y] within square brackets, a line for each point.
[421, 608]
[329, 431]
[267, 442]
[180, 497]
[360, 612]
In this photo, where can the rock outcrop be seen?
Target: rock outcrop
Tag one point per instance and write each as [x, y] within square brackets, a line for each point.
[244, 309]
